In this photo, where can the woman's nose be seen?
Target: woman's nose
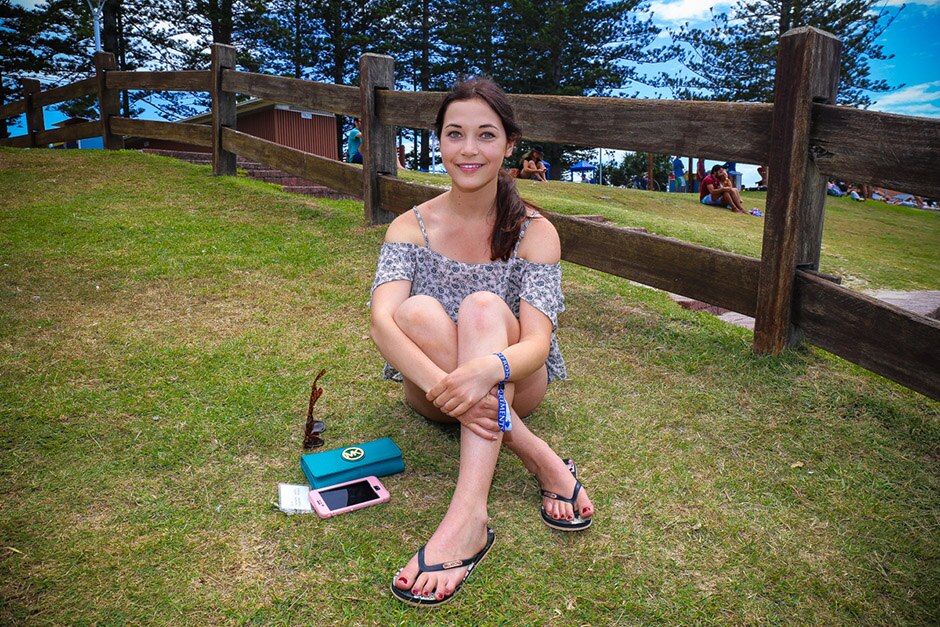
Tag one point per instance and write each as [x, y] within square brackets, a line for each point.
[469, 146]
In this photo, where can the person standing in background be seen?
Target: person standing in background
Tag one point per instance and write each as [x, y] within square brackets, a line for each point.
[354, 141]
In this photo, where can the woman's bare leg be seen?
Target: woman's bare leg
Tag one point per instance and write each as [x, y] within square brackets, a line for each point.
[482, 328]
[485, 326]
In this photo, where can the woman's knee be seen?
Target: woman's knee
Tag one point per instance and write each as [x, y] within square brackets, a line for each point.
[419, 313]
[482, 310]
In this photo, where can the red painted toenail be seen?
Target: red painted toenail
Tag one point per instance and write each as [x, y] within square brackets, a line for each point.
[439, 596]
[402, 580]
[414, 591]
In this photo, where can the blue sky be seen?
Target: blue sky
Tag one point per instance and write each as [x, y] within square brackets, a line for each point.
[913, 38]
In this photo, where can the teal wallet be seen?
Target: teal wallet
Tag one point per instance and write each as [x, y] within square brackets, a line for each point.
[379, 457]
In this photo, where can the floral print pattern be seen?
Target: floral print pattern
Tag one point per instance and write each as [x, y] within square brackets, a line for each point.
[450, 281]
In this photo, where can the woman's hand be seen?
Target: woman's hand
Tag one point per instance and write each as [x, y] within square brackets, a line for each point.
[481, 418]
[460, 390]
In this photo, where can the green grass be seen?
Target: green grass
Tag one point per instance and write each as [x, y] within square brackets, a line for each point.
[159, 329]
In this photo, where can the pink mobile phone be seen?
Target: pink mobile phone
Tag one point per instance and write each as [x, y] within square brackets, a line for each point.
[349, 496]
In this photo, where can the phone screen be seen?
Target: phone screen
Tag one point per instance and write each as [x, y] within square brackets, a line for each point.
[346, 496]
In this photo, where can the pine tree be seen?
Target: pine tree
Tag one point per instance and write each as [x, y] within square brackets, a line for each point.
[735, 58]
[577, 48]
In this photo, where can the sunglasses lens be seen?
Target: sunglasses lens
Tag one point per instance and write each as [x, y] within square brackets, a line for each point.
[314, 442]
[318, 426]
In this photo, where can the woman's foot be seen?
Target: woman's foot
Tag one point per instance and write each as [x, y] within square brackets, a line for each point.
[456, 538]
[556, 477]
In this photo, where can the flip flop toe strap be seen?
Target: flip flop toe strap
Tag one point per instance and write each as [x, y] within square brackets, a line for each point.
[557, 497]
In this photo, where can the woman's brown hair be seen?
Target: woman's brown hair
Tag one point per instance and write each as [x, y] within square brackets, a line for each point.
[510, 210]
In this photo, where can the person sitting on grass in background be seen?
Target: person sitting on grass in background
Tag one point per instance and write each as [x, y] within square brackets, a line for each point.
[532, 166]
[718, 191]
[464, 309]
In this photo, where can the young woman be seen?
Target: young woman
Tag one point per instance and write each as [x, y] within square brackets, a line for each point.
[465, 302]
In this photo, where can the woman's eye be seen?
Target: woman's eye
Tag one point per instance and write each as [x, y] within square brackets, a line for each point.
[487, 135]
[454, 134]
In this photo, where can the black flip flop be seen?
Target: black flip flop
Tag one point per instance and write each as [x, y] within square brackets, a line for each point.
[578, 523]
[406, 596]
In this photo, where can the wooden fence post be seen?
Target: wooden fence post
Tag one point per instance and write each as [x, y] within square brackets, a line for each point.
[35, 123]
[376, 71]
[223, 110]
[807, 72]
[109, 100]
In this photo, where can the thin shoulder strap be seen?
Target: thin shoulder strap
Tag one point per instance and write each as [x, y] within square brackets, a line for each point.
[525, 225]
[427, 242]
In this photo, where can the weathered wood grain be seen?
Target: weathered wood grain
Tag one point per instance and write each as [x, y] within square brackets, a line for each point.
[35, 123]
[343, 177]
[894, 151]
[192, 134]
[109, 100]
[294, 91]
[10, 109]
[72, 132]
[20, 141]
[398, 196]
[376, 74]
[188, 80]
[71, 91]
[737, 131]
[224, 114]
[897, 344]
[715, 277]
[807, 72]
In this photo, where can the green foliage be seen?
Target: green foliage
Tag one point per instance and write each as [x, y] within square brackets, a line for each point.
[635, 164]
[735, 58]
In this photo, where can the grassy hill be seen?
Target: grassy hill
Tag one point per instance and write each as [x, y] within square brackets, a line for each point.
[159, 330]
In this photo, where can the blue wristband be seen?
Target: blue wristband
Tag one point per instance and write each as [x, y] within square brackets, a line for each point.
[502, 358]
[503, 417]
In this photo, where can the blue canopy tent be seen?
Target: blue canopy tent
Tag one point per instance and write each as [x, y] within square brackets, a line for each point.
[582, 167]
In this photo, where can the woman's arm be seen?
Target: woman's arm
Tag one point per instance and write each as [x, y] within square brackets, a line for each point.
[397, 348]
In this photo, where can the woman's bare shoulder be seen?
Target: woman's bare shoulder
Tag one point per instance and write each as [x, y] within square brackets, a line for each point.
[405, 230]
[540, 243]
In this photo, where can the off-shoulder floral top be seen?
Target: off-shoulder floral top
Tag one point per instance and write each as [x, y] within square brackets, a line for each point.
[450, 281]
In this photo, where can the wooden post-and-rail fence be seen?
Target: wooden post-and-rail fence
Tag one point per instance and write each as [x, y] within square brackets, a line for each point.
[803, 137]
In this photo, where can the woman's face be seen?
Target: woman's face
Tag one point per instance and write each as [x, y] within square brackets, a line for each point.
[473, 144]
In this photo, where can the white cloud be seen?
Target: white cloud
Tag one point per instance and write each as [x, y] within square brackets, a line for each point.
[921, 100]
[684, 10]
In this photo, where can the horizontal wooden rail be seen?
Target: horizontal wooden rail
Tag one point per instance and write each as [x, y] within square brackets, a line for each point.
[71, 91]
[20, 141]
[342, 177]
[712, 276]
[897, 344]
[10, 109]
[193, 134]
[738, 131]
[189, 80]
[895, 151]
[398, 196]
[72, 132]
[294, 91]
